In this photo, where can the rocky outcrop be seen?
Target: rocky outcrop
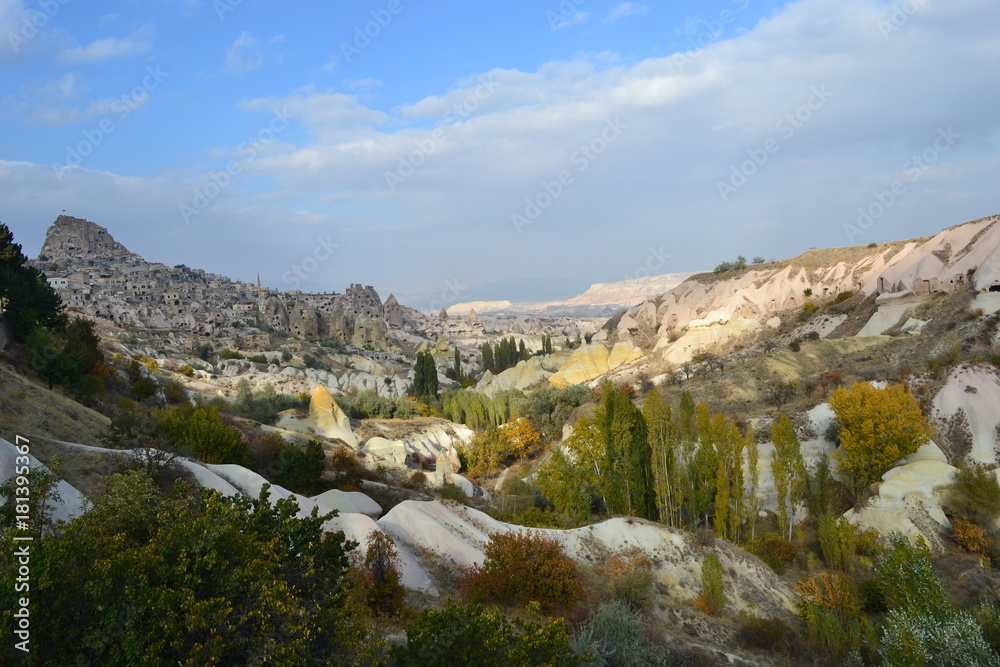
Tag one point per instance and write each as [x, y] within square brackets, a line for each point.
[74, 240]
[592, 361]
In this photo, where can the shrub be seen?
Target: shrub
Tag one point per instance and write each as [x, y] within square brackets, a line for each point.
[472, 635]
[776, 551]
[812, 336]
[453, 493]
[975, 494]
[286, 356]
[616, 635]
[523, 568]
[186, 371]
[970, 536]
[795, 346]
[202, 430]
[809, 309]
[630, 579]
[831, 615]
[712, 598]
[767, 634]
[838, 541]
[230, 354]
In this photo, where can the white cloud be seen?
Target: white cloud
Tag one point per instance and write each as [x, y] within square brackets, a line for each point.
[689, 119]
[244, 55]
[623, 10]
[108, 48]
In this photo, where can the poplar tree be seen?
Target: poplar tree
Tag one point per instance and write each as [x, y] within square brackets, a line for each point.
[789, 472]
[753, 482]
[667, 469]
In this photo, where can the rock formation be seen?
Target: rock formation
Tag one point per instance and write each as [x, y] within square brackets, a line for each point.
[69, 239]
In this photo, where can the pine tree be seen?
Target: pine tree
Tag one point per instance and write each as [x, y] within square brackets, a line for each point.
[26, 298]
[458, 366]
[789, 472]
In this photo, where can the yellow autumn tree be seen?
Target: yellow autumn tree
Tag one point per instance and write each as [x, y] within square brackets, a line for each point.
[878, 427]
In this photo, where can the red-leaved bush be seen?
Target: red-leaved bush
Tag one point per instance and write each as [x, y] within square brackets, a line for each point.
[520, 568]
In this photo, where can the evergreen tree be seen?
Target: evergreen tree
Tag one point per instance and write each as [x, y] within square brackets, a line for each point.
[523, 352]
[488, 357]
[458, 366]
[627, 455]
[425, 380]
[26, 298]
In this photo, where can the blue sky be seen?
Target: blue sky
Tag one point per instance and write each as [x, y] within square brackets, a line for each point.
[450, 150]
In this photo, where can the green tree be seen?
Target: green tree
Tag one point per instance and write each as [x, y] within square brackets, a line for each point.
[878, 427]
[922, 627]
[475, 636]
[26, 298]
[189, 578]
[753, 502]
[627, 457]
[562, 483]
[789, 472]
[665, 460]
[425, 379]
[729, 491]
[712, 599]
[488, 363]
[200, 429]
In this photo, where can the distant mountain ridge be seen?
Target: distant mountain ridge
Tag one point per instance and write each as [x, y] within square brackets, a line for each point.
[600, 299]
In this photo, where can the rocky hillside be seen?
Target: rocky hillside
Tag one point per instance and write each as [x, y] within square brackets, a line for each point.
[707, 311]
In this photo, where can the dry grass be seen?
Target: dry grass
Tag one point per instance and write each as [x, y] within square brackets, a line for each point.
[28, 408]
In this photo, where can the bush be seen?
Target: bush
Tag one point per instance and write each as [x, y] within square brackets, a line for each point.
[630, 578]
[776, 551]
[712, 598]
[795, 346]
[202, 430]
[615, 635]
[474, 636]
[382, 592]
[523, 568]
[831, 615]
[186, 371]
[453, 493]
[969, 536]
[838, 541]
[286, 356]
[767, 634]
[975, 495]
[230, 354]
[809, 309]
